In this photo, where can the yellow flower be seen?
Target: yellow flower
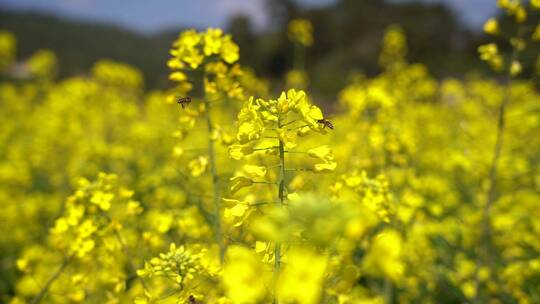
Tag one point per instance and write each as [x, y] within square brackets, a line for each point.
[255, 171]
[7, 49]
[198, 166]
[175, 64]
[323, 152]
[311, 114]
[87, 228]
[282, 103]
[297, 79]
[178, 76]
[42, 63]
[134, 207]
[212, 41]
[260, 246]
[518, 43]
[488, 51]
[244, 276]
[325, 167]
[394, 49]
[239, 182]
[188, 39]
[239, 151]
[117, 74]
[536, 34]
[230, 52]
[296, 97]
[218, 69]
[301, 31]
[161, 222]
[179, 264]
[61, 225]
[22, 265]
[302, 277]
[384, 256]
[77, 296]
[248, 131]
[521, 14]
[515, 68]
[102, 199]
[293, 196]
[469, 289]
[287, 138]
[492, 26]
[193, 58]
[490, 54]
[83, 247]
[237, 210]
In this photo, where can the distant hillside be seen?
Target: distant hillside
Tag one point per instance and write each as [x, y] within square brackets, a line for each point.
[348, 35]
[79, 45]
[347, 38]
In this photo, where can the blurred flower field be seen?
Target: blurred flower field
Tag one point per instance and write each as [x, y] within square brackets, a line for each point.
[411, 189]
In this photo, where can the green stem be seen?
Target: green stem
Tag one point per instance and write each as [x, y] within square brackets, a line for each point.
[299, 169]
[215, 181]
[388, 291]
[51, 280]
[299, 53]
[264, 149]
[289, 123]
[264, 183]
[128, 255]
[487, 233]
[259, 204]
[279, 204]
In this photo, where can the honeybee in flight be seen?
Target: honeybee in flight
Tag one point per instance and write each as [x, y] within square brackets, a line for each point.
[326, 123]
[184, 101]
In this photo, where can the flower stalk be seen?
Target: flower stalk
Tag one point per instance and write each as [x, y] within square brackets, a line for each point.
[215, 181]
[279, 204]
[488, 258]
[50, 281]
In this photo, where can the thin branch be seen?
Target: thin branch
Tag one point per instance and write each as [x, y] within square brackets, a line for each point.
[299, 169]
[263, 149]
[129, 257]
[215, 181]
[266, 183]
[51, 280]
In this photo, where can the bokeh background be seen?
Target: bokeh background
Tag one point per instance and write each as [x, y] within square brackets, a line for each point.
[443, 34]
[402, 166]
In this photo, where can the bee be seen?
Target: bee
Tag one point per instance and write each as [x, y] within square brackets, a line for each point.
[184, 101]
[192, 300]
[326, 123]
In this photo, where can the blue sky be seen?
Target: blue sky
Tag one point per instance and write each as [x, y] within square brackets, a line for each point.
[153, 15]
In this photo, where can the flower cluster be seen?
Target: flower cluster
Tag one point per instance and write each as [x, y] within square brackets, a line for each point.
[517, 37]
[117, 74]
[301, 31]
[394, 51]
[87, 215]
[435, 199]
[284, 114]
[490, 54]
[92, 225]
[180, 266]
[7, 49]
[193, 49]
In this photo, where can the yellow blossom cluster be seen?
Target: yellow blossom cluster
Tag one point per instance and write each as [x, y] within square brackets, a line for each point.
[429, 194]
[301, 31]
